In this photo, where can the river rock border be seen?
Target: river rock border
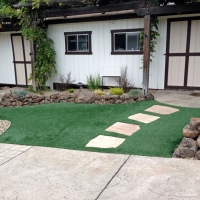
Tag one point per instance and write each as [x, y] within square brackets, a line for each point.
[11, 100]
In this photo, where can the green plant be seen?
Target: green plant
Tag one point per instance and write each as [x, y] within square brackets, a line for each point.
[20, 92]
[94, 82]
[116, 91]
[99, 92]
[123, 81]
[71, 90]
[135, 92]
[30, 88]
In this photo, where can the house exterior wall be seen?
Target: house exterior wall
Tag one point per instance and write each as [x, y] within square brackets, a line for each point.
[101, 61]
[7, 73]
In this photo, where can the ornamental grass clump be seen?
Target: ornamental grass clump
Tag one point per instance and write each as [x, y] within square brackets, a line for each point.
[116, 91]
[99, 92]
[94, 82]
[135, 92]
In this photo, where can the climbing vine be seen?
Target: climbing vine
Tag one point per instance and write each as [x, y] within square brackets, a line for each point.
[44, 64]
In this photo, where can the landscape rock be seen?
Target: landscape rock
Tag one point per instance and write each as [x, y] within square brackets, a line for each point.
[189, 143]
[187, 132]
[198, 155]
[198, 141]
[184, 152]
[85, 97]
[194, 123]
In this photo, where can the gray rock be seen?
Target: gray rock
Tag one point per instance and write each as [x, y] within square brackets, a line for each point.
[85, 97]
[187, 132]
[198, 141]
[189, 143]
[194, 123]
[198, 155]
[184, 152]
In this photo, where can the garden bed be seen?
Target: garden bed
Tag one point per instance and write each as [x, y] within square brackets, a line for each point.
[13, 100]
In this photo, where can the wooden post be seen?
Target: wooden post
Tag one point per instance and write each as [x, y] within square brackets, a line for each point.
[146, 58]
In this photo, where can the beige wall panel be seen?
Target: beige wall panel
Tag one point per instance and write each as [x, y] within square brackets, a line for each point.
[195, 36]
[18, 50]
[194, 71]
[27, 50]
[178, 36]
[20, 74]
[29, 71]
[176, 71]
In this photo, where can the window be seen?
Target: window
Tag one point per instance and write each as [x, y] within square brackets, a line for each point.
[78, 42]
[126, 41]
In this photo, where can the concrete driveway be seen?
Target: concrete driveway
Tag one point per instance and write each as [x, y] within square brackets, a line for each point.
[41, 173]
[178, 98]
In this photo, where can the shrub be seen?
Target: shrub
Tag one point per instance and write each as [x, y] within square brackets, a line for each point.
[116, 91]
[94, 82]
[71, 90]
[135, 92]
[123, 81]
[99, 92]
[20, 92]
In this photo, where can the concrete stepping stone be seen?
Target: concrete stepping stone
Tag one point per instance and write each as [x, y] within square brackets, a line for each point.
[164, 110]
[102, 141]
[123, 128]
[4, 125]
[143, 118]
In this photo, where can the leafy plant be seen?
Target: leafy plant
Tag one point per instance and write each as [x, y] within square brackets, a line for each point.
[94, 82]
[116, 91]
[123, 81]
[30, 88]
[71, 90]
[135, 92]
[20, 92]
[99, 92]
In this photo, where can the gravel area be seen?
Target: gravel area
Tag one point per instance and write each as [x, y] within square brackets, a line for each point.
[4, 125]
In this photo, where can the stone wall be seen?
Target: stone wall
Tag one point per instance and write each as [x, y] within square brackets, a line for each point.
[11, 100]
[190, 144]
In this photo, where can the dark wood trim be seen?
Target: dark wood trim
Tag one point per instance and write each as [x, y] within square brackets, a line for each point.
[79, 52]
[113, 52]
[170, 9]
[92, 9]
[92, 19]
[167, 52]
[21, 62]
[187, 52]
[24, 56]
[183, 87]
[14, 57]
[182, 54]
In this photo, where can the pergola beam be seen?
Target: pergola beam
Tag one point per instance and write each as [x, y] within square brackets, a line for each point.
[170, 9]
[90, 10]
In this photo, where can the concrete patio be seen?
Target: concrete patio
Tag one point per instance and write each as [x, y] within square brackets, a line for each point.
[30, 173]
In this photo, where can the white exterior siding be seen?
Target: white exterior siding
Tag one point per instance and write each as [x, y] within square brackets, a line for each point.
[101, 59]
[7, 73]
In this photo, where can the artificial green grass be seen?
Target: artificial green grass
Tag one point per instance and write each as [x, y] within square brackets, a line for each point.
[72, 126]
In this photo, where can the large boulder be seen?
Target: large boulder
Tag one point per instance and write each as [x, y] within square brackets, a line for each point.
[184, 152]
[194, 123]
[189, 133]
[189, 143]
[198, 155]
[85, 97]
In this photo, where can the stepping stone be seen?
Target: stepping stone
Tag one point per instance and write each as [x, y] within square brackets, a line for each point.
[102, 141]
[164, 110]
[123, 128]
[143, 118]
[4, 125]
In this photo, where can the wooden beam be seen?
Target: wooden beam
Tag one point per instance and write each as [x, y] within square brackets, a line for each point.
[146, 58]
[170, 9]
[90, 10]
